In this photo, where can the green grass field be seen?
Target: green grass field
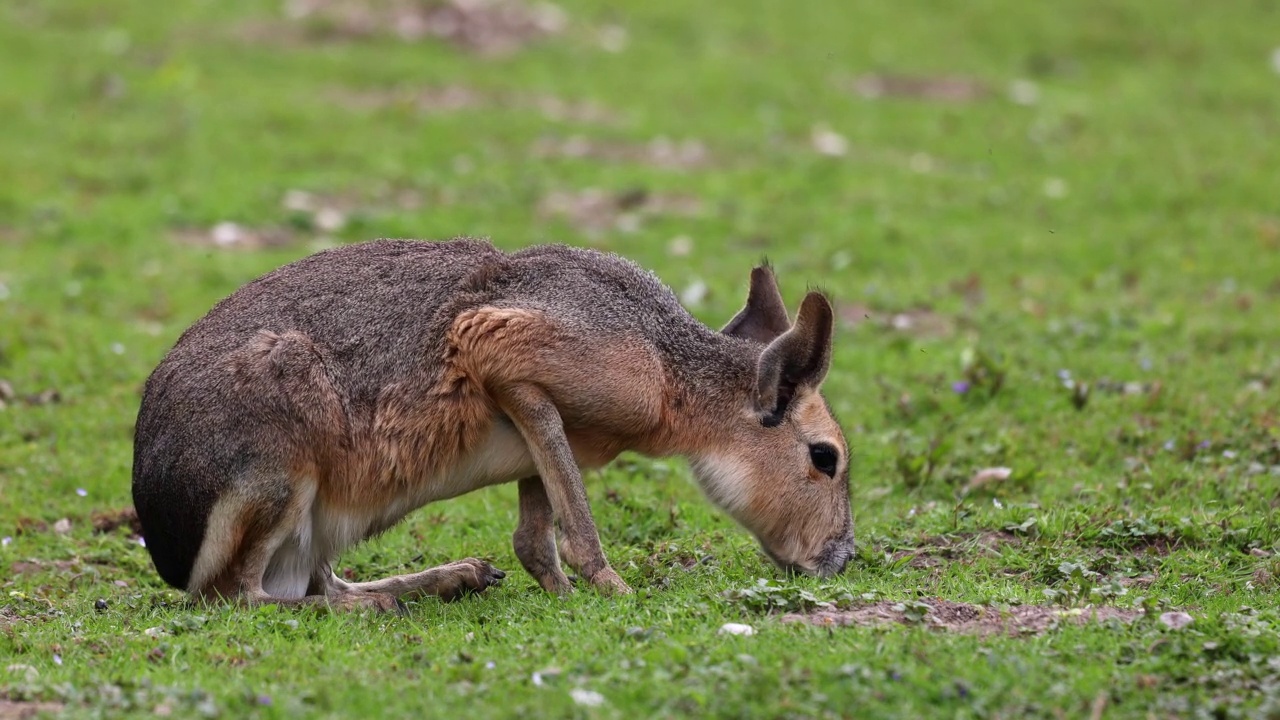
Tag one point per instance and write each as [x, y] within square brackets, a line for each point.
[1051, 230]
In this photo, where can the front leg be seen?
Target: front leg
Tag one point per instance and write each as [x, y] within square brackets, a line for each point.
[540, 424]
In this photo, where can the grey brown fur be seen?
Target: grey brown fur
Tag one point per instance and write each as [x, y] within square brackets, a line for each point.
[320, 403]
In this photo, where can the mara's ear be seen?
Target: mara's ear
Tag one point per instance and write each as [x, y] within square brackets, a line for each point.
[764, 317]
[798, 358]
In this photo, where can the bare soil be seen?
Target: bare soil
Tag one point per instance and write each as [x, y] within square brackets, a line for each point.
[965, 618]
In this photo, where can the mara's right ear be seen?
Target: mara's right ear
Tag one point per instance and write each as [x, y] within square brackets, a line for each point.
[764, 317]
[799, 358]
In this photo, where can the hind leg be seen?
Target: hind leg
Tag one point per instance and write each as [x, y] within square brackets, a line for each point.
[257, 551]
[448, 581]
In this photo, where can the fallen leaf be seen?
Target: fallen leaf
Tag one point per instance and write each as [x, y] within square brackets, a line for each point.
[106, 521]
[987, 475]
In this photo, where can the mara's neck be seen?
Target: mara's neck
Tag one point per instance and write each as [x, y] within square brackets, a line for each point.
[710, 377]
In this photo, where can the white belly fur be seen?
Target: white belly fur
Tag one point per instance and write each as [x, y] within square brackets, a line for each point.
[327, 531]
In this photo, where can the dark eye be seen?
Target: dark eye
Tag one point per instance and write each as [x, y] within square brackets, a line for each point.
[824, 458]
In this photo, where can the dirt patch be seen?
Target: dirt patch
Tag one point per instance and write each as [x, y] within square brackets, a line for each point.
[15, 710]
[964, 618]
[594, 211]
[491, 28]
[28, 525]
[440, 100]
[311, 216]
[107, 521]
[425, 100]
[32, 567]
[233, 236]
[952, 89]
[920, 322]
[48, 396]
[660, 152]
[932, 551]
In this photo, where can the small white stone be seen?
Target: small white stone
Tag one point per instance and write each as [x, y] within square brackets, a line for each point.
[587, 698]
[117, 348]
[298, 201]
[226, 234]
[62, 527]
[1024, 92]
[1175, 620]
[549, 17]
[613, 38]
[694, 294]
[828, 142]
[628, 223]
[736, 629]
[681, 245]
[330, 219]
[921, 163]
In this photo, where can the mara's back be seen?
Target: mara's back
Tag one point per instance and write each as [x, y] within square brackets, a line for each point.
[374, 315]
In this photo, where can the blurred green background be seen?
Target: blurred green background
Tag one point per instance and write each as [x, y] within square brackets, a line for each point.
[1051, 230]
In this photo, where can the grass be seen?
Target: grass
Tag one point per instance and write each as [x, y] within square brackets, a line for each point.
[1100, 263]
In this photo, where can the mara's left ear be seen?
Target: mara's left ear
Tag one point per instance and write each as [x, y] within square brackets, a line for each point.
[764, 317]
[798, 358]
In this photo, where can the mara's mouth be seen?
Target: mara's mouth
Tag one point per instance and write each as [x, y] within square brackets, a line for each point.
[835, 557]
[832, 561]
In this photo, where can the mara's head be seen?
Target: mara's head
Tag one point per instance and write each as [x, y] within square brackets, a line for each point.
[780, 465]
